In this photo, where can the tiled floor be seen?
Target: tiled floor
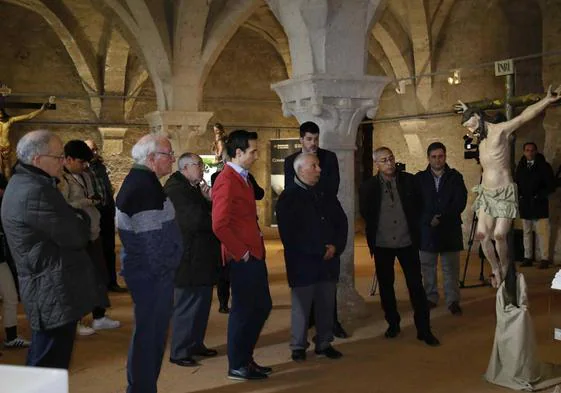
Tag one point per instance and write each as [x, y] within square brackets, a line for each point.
[370, 363]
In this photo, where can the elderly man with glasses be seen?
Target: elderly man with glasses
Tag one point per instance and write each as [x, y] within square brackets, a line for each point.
[48, 241]
[152, 249]
[390, 208]
[200, 264]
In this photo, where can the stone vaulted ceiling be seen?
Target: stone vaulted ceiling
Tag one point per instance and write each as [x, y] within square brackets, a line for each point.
[117, 46]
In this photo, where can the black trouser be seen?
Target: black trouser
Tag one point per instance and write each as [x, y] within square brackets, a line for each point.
[251, 305]
[52, 348]
[223, 285]
[408, 257]
[107, 232]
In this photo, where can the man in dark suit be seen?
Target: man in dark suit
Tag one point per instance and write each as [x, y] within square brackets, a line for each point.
[535, 180]
[389, 204]
[309, 138]
[444, 197]
[313, 229]
[328, 183]
[198, 270]
[234, 221]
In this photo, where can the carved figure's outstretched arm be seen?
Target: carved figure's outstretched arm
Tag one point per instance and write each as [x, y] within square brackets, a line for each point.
[28, 116]
[532, 111]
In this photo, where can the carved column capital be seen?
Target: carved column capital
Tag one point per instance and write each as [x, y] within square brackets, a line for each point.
[179, 126]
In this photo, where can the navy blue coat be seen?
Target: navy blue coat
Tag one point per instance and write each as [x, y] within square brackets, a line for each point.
[308, 220]
[450, 201]
[534, 186]
[329, 179]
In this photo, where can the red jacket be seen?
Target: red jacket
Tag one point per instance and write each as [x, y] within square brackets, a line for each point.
[234, 216]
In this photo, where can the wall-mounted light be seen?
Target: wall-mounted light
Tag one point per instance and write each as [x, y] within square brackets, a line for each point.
[400, 89]
[455, 78]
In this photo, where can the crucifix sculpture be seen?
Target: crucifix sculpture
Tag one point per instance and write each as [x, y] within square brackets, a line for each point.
[6, 122]
[496, 204]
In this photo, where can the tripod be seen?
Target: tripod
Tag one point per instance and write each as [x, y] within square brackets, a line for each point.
[470, 245]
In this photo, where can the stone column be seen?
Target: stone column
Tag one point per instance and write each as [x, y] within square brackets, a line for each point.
[328, 41]
[184, 128]
[112, 138]
[337, 104]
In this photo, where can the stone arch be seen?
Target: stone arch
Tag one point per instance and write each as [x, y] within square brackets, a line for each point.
[146, 37]
[233, 15]
[83, 61]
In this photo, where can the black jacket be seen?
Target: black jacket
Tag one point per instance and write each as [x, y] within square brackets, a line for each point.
[534, 186]
[48, 242]
[201, 258]
[370, 200]
[329, 180]
[308, 220]
[450, 201]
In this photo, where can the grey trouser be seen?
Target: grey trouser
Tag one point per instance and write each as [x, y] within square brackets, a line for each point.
[322, 294]
[190, 318]
[450, 272]
[541, 227]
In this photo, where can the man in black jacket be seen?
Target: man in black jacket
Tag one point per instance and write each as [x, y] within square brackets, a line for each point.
[535, 181]
[389, 204]
[444, 198]
[48, 240]
[328, 182]
[313, 230]
[200, 264]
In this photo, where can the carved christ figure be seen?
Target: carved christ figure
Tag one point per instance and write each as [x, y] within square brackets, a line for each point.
[496, 203]
[6, 122]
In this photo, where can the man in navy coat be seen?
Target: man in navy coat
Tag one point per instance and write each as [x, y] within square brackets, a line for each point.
[328, 181]
[444, 197]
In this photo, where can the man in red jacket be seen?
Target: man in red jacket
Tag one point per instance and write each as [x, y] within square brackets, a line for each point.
[234, 222]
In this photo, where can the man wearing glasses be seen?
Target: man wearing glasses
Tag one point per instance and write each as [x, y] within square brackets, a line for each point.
[152, 249]
[200, 264]
[389, 206]
[47, 237]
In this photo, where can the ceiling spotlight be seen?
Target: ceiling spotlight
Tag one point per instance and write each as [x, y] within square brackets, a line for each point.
[455, 78]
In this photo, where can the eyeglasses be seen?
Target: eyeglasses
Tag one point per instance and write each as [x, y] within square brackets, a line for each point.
[165, 153]
[58, 157]
[386, 160]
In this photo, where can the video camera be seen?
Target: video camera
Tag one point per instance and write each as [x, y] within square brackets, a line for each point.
[471, 150]
[400, 167]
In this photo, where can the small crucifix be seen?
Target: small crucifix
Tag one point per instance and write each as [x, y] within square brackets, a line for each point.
[6, 122]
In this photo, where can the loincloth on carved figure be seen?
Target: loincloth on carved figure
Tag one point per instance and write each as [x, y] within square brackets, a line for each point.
[499, 202]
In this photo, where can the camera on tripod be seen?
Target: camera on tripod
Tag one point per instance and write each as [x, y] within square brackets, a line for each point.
[471, 149]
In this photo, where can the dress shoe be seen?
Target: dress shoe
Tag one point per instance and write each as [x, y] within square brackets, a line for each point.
[455, 308]
[224, 310]
[429, 339]
[392, 331]
[526, 262]
[329, 352]
[116, 288]
[299, 355]
[339, 332]
[431, 304]
[261, 369]
[185, 362]
[245, 374]
[544, 264]
[206, 352]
